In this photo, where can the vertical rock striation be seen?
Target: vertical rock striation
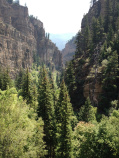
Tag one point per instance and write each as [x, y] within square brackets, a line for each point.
[69, 50]
[21, 36]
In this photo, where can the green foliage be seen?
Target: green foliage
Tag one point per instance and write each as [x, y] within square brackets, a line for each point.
[109, 87]
[36, 58]
[46, 110]
[98, 43]
[87, 112]
[5, 80]
[70, 81]
[64, 115]
[21, 126]
[96, 30]
[98, 140]
[19, 79]
[26, 87]
[20, 134]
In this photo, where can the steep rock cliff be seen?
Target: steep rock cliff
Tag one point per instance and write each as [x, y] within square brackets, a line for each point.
[69, 50]
[93, 79]
[94, 70]
[21, 37]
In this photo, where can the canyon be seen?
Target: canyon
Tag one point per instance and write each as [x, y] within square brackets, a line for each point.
[23, 36]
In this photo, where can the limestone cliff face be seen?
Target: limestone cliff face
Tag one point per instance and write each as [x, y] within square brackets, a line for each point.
[21, 36]
[69, 50]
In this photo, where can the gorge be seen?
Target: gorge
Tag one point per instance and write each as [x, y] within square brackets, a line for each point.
[23, 36]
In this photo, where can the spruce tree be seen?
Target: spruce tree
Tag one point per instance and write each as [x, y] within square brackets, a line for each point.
[6, 80]
[71, 82]
[109, 85]
[46, 110]
[64, 129]
[26, 87]
[96, 30]
[87, 112]
[34, 98]
[1, 78]
[19, 79]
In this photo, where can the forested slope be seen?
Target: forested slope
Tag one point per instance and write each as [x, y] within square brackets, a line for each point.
[41, 117]
[94, 70]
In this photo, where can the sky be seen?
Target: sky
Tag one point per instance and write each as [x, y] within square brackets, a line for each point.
[58, 16]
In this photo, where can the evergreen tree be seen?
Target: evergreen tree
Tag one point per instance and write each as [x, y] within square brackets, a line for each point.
[64, 129]
[116, 47]
[46, 110]
[6, 80]
[57, 80]
[19, 79]
[96, 30]
[109, 85]
[53, 89]
[1, 78]
[87, 112]
[34, 104]
[87, 40]
[26, 87]
[70, 81]
[78, 42]
[110, 34]
[108, 11]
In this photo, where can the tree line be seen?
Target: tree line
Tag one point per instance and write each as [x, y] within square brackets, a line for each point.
[45, 114]
[37, 120]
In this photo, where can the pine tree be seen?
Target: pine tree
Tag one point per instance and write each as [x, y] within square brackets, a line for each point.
[109, 85]
[34, 104]
[110, 34]
[64, 129]
[46, 110]
[87, 112]
[6, 80]
[86, 40]
[70, 81]
[1, 78]
[19, 78]
[108, 11]
[78, 42]
[57, 80]
[96, 30]
[26, 87]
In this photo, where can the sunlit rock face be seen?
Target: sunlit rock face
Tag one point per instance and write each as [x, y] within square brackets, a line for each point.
[21, 37]
[69, 50]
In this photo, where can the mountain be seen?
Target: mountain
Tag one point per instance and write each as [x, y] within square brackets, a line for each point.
[22, 37]
[61, 39]
[94, 70]
[37, 119]
[69, 50]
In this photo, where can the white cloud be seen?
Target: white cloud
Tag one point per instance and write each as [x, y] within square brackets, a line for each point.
[58, 16]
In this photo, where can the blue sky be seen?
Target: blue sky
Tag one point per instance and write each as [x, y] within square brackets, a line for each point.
[58, 16]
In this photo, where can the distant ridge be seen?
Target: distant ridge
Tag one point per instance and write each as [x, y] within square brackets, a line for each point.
[61, 39]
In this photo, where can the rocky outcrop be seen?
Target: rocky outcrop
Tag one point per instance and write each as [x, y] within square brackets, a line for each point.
[98, 9]
[92, 85]
[21, 36]
[69, 50]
